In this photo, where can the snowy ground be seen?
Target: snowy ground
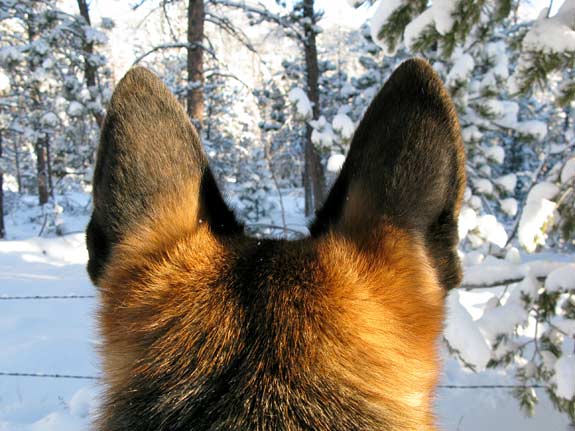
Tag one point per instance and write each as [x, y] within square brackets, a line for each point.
[58, 337]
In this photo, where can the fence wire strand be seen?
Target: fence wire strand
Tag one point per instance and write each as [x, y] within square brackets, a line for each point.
[42, 297]
[85, 377]
[50, 376]
[80, 377]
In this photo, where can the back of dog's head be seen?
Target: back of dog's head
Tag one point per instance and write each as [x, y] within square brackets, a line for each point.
[205, 328]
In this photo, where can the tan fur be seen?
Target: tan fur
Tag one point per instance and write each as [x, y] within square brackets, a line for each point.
[374, 318]
[207, 329]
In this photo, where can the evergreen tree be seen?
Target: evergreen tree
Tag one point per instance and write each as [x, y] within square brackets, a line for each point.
[50, 108]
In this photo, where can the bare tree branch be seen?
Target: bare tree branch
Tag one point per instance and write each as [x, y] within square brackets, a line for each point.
[172, 46]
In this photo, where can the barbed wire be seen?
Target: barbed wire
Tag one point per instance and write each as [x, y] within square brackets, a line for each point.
[80, 377]
[49, 376]
[43, 297]
[88, 377]
[490, 386]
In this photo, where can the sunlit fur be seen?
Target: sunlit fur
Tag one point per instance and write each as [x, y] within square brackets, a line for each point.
[205, 328]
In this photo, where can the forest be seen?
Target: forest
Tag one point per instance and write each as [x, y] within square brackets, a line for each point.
[275, 89]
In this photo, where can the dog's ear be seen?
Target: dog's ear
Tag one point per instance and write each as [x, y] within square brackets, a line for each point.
[405, 166]
[149, 152]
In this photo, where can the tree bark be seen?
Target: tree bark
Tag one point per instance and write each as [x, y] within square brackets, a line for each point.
[90, 71]
[15, 144]
[2, 226]
[40, 146]
[195, 93]
[314, 179]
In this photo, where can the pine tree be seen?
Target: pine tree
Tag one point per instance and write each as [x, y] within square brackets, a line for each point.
[51, 108]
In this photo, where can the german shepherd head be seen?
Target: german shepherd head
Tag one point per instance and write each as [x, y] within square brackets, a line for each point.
[205, 328]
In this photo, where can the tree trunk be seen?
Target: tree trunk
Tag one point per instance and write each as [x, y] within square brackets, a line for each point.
[40, 148]
[49, 167]
[15, 144]
[40, 144]
[195, 94]
[90, 71]
[2, 226]
[314, 180]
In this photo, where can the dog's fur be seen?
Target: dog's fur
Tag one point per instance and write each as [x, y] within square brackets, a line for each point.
[205, 328]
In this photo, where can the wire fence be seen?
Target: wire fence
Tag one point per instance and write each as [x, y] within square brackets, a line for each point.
[45, 297]
[85, 377]
[80, 377]
[49, 376]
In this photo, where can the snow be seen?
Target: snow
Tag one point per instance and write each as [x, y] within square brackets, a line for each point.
[107, 23]
[483, 186]
[95, 36]
[489, 82]
[82, 403]
[542, 268]
[50, 119]
[555, 34]
[509, 206]
[415, 28]
[543, 190]
[475, 202]
[463, 334]
[379, 19]
[507, 112]
[495, 153]
[322, 134]
[562, 278]
[9, 54]
[492, 273]
[536, 129]
[568, 171]
[443, 15]
[471, 134]
[496, 107]
[56, 336]
[335, 162]
[343, 125]
[4, 83]
[303, 105]
[537, 213]
[513, 256]
[501, 320]
[462, 68]
[75, 109]
[473, 258]
[497, 52]
[492, 230]
[565, 325]
[556, 148]
[507, 182]
[467, 221]
[565, 376]
[438, 15]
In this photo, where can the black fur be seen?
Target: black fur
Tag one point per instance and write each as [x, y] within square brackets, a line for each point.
[148, 148]
[405, 161]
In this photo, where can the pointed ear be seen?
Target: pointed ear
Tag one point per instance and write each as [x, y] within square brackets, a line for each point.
[406, 166]
[149, 152]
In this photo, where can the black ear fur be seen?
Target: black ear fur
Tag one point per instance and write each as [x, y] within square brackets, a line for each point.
[148, 148]
[405, 166]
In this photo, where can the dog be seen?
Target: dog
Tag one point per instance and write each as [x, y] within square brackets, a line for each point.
[206, 328]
